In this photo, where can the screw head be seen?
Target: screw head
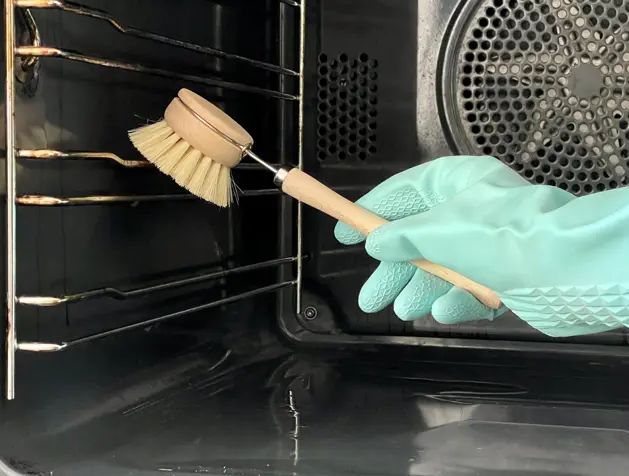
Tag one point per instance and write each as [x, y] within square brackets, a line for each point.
[310, 313]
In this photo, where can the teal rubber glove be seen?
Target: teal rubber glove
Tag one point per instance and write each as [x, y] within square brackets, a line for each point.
[414, 292]
[557, 261]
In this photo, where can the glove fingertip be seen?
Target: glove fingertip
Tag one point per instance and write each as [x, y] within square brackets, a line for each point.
[369, 305]
[415, 301]
[346, 235]
[384, 285]
[408, 311]
[459, 306]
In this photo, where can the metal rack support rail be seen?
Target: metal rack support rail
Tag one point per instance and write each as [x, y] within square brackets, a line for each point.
[57, 347]
[300, 149]
[113, 293]
[84, 10]
[12, 51]
[52, 52]
[9, 107]
[48, 201]
[52, 154]
[48, 154]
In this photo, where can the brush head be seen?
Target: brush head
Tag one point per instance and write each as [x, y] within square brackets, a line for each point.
[205, 127]
[197, 145]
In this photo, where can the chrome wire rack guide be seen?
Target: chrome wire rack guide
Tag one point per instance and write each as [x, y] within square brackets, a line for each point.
[30, 56]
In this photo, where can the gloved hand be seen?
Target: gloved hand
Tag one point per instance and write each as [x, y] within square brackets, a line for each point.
[557, 261]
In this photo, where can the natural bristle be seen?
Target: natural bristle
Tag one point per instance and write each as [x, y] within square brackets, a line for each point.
[172, 155]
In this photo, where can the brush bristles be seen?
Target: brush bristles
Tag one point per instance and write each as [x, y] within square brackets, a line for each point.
[192, 170]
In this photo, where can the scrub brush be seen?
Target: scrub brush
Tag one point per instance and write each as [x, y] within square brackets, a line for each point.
[197, 144]
[180, 146]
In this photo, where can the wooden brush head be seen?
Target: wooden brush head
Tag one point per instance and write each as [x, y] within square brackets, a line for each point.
[199, 135]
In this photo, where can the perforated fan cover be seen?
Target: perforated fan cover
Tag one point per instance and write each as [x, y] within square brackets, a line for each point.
[542, 85]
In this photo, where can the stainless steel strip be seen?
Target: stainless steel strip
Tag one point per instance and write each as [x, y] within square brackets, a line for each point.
[52, 52]
[261, 162]
[245, 149]
[255, 166]
[300, 149]
[51, 154]
[50, 301]
[49, 201]
[57, 154]
[292, 3]
[80, 9]
[56, 347]
[35, 37]
[9, 102]
[40, 346]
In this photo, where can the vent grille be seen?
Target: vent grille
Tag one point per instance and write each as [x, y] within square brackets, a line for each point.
[347, 107]
[542, 85]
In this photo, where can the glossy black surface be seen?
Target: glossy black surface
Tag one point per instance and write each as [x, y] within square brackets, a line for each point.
[403, 44]
[374, 413]
[252, 389]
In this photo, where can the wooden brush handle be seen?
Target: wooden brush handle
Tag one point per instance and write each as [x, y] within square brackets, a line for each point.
[306, 189]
